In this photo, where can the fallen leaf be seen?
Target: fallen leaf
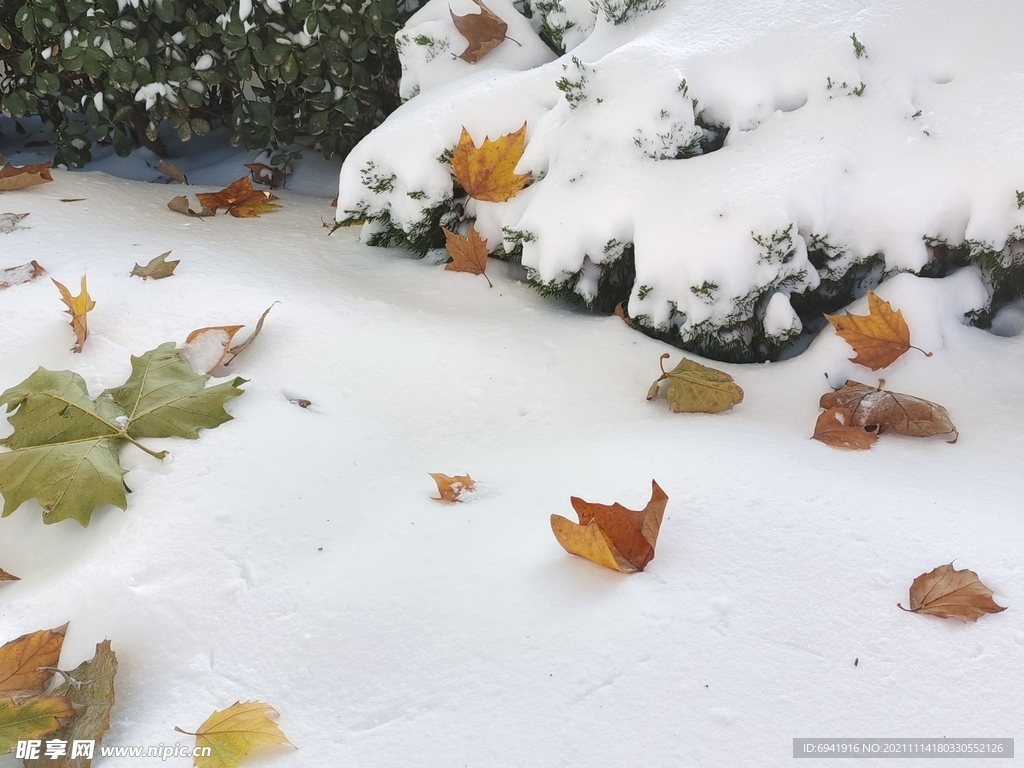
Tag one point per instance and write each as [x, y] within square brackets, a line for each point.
[5, 576]
[78, 307]
[158, 267]
[171, 171]
[180, 204]
[879, 337]
[208, 348]
[451, 488]
[21, 274]
[9, 222]
[695, 388]
[19, 177]
[488, 172]
[65, 445]
[905, 414]
[951, 594]
[90, 687]
[485, 31]
[611, 535]
[239, 199]
[468, 254]
[34, 719]
[835, 427]
[26, 664]
[620, 311]
[273, 177]
[72, 199]
[231, 733]
[334, 203]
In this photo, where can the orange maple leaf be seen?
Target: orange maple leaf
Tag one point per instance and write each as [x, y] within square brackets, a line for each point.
[488, 172]
[19, 177]
[469, 254]
[611, 535]
[239, 199]
[878, 337]
[78, 307]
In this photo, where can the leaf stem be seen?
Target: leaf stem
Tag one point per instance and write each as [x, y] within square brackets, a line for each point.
[155, 454]
[661, 364]
[908, 610]
[926, 354]
[489, 283]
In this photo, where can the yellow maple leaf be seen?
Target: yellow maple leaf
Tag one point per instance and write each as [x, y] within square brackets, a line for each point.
[233, 732]
[488, 172]
[469, 254]
[78, 307]
[879, 337]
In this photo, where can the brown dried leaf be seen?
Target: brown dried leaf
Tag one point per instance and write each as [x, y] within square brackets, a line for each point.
[78, 307]
[488, 172]
[905, 414]
[452, 487]
[468, 254]
[205, 348]
[5, 576]
[485, 31]
[236, 350]
[21, 274]
[171, 171]
[239, 199]
[19, 177]
[24, 662]
[835, 427]
[951, 594]
[613, 536]
[620, 311]
[180, 204]
[158, 267]
[273, 177]
[878, 337]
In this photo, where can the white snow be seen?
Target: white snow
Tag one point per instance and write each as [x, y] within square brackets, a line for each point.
[294, 556]
[203, 63]
[929, 149]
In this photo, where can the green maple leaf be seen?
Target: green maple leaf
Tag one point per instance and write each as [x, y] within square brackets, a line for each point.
[65, 446]
[31, 720]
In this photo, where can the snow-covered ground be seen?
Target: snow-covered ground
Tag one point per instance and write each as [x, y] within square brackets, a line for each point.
[294, 555]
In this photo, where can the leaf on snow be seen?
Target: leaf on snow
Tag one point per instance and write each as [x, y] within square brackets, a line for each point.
[878, 337]
[695, 388]
[488, 172]
[5, 576]
[180, 204]
[19, 177]
[951, 594]
[158, 267]
[468, 254]
[485, 31]
[34, 719]
[24, 273]
[26, 663]
[273, 177]
[10, 221]
[206, 348]
[65, 445]
[611, 535]
[171, 171]
[233, 732]
[905, 414]
[78, 307]
[90, 687]
[451, 487]
[835, 427]
[239, 199]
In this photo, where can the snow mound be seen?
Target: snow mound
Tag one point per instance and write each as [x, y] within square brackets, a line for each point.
[711, 163]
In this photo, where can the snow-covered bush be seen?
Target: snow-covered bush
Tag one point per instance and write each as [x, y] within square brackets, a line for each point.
[729, 170]
[112, 70]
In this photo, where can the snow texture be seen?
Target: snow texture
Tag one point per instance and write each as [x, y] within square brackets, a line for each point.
[870, 149]
[294, 556]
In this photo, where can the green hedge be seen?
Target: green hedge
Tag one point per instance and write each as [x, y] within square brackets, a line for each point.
[318, 68]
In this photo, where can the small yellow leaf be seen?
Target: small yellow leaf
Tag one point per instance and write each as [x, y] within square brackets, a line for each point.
[33, 719]
[879, 337]
[78, 307]
[231, 733]
[696, 388]
[488, 172]
[158, 267]
[589, 541]
[451, 487]
[25, 662]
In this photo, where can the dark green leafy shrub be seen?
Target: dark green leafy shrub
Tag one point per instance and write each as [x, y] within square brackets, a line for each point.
[112, 70]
